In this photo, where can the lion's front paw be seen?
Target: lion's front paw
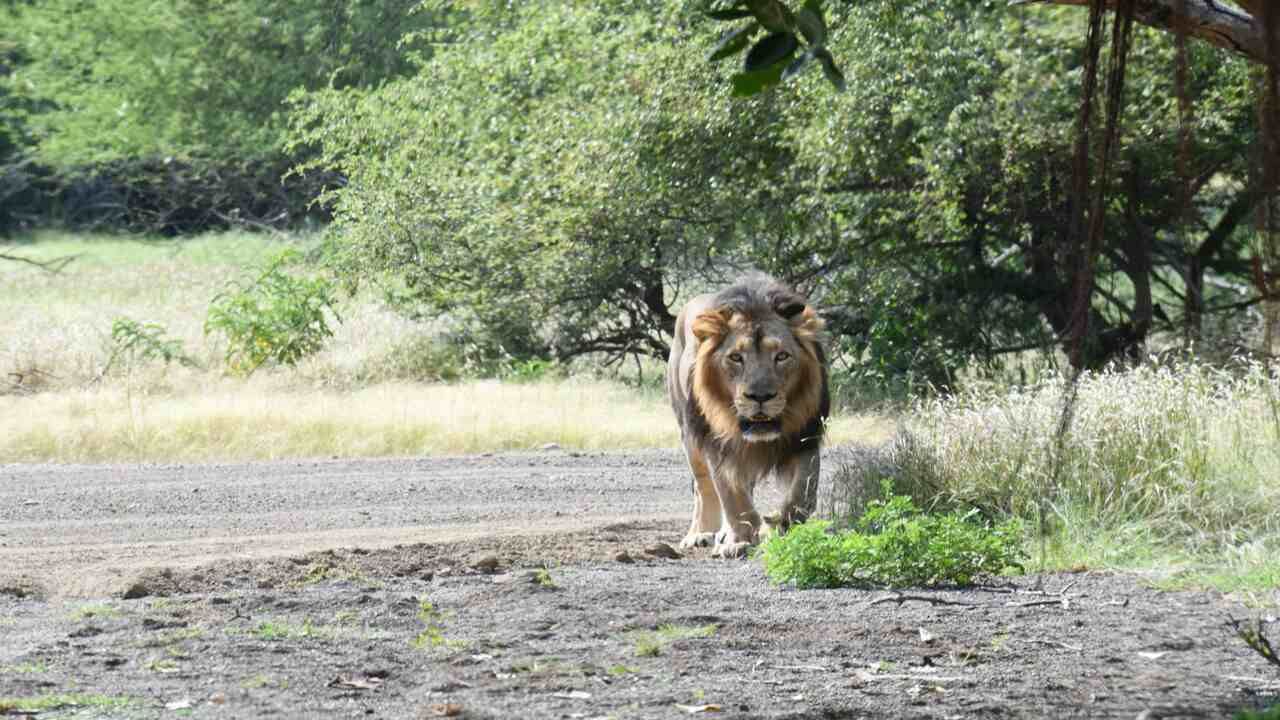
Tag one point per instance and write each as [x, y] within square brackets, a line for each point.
[697, 539]
[731, 550]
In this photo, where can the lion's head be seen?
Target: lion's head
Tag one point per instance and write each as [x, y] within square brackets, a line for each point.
[759, 371]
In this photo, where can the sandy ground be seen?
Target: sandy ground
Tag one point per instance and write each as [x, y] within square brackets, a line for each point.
[535, 586]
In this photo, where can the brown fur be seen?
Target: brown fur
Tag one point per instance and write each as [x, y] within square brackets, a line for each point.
[727, 373]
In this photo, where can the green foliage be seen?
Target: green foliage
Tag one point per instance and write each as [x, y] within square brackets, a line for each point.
[134, 343]
[432, 635]
[894, 544]
[650, 644]
[557, 181]
[276, 317]
[190, 79]
[778, 56]
[1271, 713]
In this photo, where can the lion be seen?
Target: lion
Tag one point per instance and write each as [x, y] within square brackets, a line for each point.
[747, 378]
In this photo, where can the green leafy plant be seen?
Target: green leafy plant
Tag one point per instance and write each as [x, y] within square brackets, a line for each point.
[133, 342]
[894, 544]
[792, 41]
[1271, 713]
[432, 635]
[278, 317]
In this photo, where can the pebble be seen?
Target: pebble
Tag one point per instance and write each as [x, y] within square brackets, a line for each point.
[662, 550]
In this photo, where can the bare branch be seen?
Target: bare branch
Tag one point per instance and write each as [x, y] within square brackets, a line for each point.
[1214, 22]
[54, 266]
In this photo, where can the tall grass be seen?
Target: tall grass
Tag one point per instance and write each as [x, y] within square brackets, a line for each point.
[1169, 466]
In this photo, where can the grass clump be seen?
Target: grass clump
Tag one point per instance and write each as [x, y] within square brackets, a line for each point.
[650, 644]
[894, 544]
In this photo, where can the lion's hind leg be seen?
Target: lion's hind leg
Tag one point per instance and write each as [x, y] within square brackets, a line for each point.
[706, 503]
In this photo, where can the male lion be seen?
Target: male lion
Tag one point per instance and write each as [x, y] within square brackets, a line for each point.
[747, 379]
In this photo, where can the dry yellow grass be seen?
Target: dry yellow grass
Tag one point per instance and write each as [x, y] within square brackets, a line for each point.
[267, 418]
[56, 404]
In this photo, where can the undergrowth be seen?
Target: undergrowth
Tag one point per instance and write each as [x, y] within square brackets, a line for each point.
[1165, 467]
[894, 544]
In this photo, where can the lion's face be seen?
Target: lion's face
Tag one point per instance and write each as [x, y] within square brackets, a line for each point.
[759, 365]
[757, 378]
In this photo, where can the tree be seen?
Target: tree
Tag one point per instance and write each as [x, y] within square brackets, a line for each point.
[173, 116]
[1238, 29]
[556, 180]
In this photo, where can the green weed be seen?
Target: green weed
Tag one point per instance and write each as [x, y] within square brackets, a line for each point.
[134, 343]
[1271, 713]
[651, 644]
[276, 317]
[92, 611]
[48, 703]
[894, 544]
[432, 634]
[26, 668]
[273, 630]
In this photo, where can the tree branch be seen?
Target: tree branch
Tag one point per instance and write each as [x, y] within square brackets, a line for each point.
[54, 266]
[1210, 20]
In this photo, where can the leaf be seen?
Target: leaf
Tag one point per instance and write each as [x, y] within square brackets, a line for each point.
[746, 84]
[829, 68]
[733, 42]
[731, 14]
[692, 709]
[812, 26]
[774, 48]
[798, 65]
[774, 15]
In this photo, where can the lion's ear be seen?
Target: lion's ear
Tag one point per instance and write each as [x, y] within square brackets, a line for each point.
[787, 303]
[806, 325]
[711, 324]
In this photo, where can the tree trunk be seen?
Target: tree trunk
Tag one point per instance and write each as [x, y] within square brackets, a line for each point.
[1210, 20]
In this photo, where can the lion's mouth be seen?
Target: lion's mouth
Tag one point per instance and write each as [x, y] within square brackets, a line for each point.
[759, 426]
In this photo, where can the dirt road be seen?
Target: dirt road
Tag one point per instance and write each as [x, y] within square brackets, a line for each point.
[89, 530]
[520, 586]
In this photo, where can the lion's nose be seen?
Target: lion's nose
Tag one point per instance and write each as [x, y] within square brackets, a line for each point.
[761, 397]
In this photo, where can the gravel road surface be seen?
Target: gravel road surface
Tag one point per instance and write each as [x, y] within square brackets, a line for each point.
[86, 530]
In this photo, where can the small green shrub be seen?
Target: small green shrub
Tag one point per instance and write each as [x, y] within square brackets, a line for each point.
[278, 317]
[1271, 713]
[432, 635]
[894, 544]
[133, 342]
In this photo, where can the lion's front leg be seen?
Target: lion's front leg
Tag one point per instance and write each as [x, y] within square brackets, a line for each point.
[740, 523]
[706, 503]
[800, 476]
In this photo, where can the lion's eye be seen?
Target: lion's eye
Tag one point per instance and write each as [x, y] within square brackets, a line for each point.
[782, 357]
[735, 357]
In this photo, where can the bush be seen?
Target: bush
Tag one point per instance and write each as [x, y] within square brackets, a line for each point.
[277, 317]
[133, 342]
[894, 544]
